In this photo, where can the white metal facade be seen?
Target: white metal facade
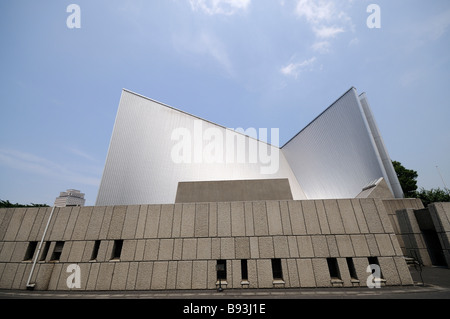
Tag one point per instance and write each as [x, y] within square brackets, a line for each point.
[335, 156]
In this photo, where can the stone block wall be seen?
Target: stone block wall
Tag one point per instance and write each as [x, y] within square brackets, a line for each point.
[178, 246]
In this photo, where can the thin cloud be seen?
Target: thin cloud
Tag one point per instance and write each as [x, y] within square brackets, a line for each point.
[224, 7]
[294, 69]
[33, 164]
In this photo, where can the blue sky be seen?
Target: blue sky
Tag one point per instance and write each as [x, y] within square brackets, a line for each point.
[239, 63]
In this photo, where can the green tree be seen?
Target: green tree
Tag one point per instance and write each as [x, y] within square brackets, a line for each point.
[8, 204]
[407, 179]
[433, 196]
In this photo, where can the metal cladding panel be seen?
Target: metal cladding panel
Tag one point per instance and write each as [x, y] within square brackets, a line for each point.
[335, 156]
[392, 179]
[140, 168]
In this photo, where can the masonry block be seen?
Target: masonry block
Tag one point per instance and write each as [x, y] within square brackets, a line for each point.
[165, 221]
[264, 268]
[242, 247]
[266, 247]
[260, 219]
[296, 217]
[321, 272]
[320, 246]
[152, 221]
[345, 246]
[117, 220]
[200, 275]
[305, 246]
[202, 220]
[119, 278]
[306, 273]
[311, 218]
[237, 219]
[274, 218]
[159, 275]
[281, 247]
[223, 219]
[130, 223]
[184, 275]
[144, 276]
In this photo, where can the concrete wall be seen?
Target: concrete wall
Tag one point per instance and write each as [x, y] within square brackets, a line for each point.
[177, 246]
[440, 214]
[227, 191]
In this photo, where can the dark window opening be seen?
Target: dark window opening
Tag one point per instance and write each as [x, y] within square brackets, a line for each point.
[221, 270]
[95, 250]
[30, 251]
[45, 251]
[351, 268]
[374, 261]
[244, 269]
[277, 270]
[117, 249]
[57, 251]
[333, 268]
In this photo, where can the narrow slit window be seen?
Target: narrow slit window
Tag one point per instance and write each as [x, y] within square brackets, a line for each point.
[333, 268]
[31, 249]
[57, 251]
[277, 270]
[117, 250]
[221, 270]
[244, 269]
[374, 261]
[351, 268]
[95, 250]
[45, 251]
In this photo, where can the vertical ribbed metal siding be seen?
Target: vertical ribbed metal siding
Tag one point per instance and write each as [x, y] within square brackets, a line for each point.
[335, 155]
[139, 168]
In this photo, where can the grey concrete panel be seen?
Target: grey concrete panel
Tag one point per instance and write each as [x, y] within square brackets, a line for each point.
[14, 224]
[359, 215]
[166, 221]
[171, 275]
[237, 274]
[321, 272]
[33, 235]
[285, 218]
[332, 246]
[202, 220]
[93, 275]
[106, 222]
[189, 249]
[141, 221]
[306, 273]
[292, 273]
[264, 268]
[140, 249]
[27, 224]
[130, 223]
[84, 216]
[8, 275]
[305, 246]
[227, 248]
[7, 251]
[200, 275]
[119, 277]
[76, 251]
[320, 246]
[151, 249]
[274, 218]
[242, 247]
[223, 219]
[20, 273]
[266, 247]
[384, 244]
[166, 249]
[188, 220]
[44, 273]
[132, 276]
[212, 275]
[372, 244]
[372, 217]
[184, 275]
[348, 216]
[128, 250]
[254, 247]
[322, 215]
[144, 276]
[95, 223]
[249, 225]
[204, 247]
[389, 271]
[104, 276]
[159, 275]
[260, 219]
[237, 219]
[297, 219]
[334, 216]
[212, 219]
[345, 246]
[403, 271]
[117, 220]
[359, 244]
[152, 221]
[344, 272]
[293, 247]
[176, 227]
[382, 213]
[281, 247]
[215, 248]
[7, 215]
[311, 218]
